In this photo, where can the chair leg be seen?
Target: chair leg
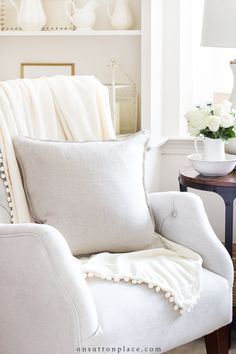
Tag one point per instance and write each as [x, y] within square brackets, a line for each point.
[218, 342]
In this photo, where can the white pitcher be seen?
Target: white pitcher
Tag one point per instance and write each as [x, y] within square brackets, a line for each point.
[120, 14]
[213, 149]
[30, 14]
[82, 18]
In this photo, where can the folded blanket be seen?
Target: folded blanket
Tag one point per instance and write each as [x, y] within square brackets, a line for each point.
[58, 108]
[172, 269]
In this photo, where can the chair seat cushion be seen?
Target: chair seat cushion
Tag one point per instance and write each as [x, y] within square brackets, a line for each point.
[135, 316]
[92, 192]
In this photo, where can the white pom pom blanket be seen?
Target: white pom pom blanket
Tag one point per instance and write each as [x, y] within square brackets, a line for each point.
[171, 269]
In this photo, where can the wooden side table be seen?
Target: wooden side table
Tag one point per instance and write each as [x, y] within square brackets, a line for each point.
[224, 186]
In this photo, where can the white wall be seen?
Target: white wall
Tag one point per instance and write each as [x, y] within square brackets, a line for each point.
[152, 67]
[171, 67]
[85, 52]
[153, 169]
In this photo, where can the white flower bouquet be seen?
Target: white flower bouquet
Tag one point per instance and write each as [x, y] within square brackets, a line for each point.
[212, 121]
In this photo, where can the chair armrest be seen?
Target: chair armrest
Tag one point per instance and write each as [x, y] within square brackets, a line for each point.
[45, 301]
[181, 217]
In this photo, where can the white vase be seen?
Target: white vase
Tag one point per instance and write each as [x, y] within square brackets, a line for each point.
[82, 18]
[213, 149]
[120, 14]
[30, 14]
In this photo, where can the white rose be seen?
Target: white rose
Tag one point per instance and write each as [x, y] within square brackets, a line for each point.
[213, 123]
[197, 119]
[227, 120]
[193, 131]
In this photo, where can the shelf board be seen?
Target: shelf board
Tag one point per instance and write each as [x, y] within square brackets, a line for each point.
[80, 33]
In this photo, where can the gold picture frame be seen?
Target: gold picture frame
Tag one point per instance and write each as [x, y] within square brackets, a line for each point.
[35, 70]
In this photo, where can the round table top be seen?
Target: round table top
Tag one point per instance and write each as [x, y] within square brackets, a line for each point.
[189, 175]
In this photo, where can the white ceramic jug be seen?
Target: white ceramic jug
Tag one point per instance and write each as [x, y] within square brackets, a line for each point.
[120, 14]
[213, 149]
[30, 14]
[82, 18]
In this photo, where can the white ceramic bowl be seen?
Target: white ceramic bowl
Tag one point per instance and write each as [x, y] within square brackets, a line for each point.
[212, 168]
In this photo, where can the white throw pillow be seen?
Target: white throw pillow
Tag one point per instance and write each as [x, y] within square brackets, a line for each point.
[92, 192]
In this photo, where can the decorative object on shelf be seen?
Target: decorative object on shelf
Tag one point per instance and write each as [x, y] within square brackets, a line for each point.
[34, 70]
[56, 20]
[123, 101]
[82, 18]
[8, 17]
[30, 14]
[120, 14]
[216, 124]
[212, 168]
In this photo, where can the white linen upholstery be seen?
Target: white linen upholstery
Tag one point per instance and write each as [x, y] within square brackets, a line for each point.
[181, 218]
[134, 317]
[35, 313]
[45, 304]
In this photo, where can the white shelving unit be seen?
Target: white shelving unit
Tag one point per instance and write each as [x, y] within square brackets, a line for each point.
[91, 51]
[95, 33]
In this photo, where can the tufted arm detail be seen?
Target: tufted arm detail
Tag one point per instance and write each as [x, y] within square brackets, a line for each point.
[45, 300]
[181, 218]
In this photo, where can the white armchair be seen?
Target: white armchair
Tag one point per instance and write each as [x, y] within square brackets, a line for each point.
[48, 308]
[46, 305]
